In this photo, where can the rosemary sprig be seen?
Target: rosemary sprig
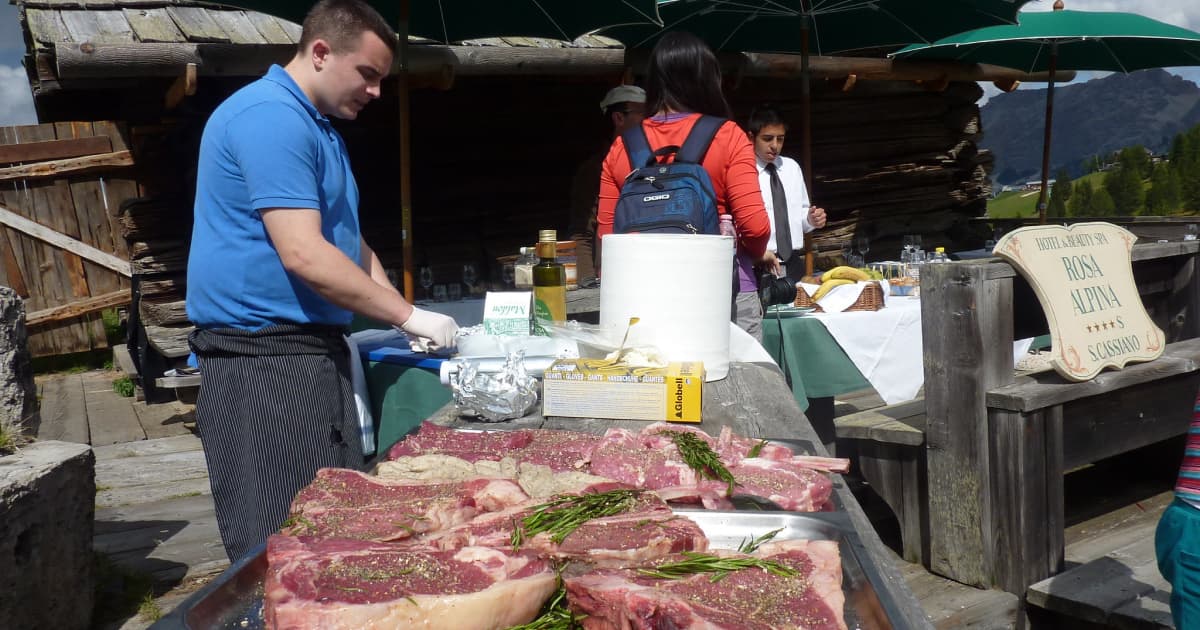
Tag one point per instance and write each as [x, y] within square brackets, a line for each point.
[564, 515]
[718, 566]
[697, 454]
[756, 449]
[750, 544]
[555, 614]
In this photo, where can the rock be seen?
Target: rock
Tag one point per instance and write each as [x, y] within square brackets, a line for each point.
[47, 507]
[18, 394]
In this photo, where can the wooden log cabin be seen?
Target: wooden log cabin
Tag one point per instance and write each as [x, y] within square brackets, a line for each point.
[498, 130]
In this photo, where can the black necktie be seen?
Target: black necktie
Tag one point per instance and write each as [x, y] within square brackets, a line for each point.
[783, 231]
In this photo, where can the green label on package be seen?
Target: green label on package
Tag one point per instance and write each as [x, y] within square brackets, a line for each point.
[507, 313]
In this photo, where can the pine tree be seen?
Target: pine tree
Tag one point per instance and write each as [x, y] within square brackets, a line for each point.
[1124, 188]
[1136, 158]
[1163, 197]
[1080, 204]
[1059, 194]
[1102, 204]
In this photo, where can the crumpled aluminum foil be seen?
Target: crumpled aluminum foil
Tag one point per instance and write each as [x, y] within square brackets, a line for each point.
[496, 396]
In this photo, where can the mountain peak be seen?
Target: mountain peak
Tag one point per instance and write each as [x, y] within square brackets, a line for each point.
[1148, 107]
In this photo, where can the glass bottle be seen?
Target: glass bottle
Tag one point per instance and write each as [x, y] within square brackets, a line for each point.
[549, 280]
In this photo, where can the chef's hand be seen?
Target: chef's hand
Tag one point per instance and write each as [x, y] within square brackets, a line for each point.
[770, 262]
[816, 217]
[435, 326]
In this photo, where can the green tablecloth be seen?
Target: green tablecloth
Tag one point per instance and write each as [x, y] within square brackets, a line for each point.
[401, 397]
[814, 363]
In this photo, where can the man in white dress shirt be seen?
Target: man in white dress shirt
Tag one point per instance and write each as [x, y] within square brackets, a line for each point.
[783, 191]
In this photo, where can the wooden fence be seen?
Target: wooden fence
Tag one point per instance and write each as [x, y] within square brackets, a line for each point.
[61, 248]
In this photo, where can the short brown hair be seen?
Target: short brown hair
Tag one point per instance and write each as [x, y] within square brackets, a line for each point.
[341, 22]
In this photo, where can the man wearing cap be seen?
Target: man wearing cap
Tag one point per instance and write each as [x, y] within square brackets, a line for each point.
[624, 106]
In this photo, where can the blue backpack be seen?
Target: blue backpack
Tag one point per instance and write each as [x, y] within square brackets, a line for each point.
[675, 197]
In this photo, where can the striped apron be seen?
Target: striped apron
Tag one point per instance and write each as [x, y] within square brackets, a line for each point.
[275, 405]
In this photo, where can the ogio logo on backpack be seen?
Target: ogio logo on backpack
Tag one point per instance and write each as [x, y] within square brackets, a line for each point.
[650, 198]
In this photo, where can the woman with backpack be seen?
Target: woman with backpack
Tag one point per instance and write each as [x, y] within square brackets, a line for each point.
[684, 84]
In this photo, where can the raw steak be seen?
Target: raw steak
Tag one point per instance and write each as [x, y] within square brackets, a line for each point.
[750, 599]
[345, 503]
[337, 583]
[538, 481]
[560, 450]
[650, 530]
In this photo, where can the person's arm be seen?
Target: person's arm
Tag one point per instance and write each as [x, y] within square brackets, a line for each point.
[610, 191]
[374, 268]
[742, 194]
[811, 217]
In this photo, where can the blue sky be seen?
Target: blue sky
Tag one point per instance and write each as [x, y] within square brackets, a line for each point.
[16, 103]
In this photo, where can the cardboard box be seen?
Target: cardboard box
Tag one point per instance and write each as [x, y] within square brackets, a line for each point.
[592, 388]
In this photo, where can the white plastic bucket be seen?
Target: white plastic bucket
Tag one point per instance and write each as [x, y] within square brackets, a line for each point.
[681, 288]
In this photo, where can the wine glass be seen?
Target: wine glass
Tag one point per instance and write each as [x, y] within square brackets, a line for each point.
[455, 291]
[426, 277]
[469, 276]
[1192, 231]
[439, 293]
[864, 246]
[510, 275]
[916, 242]
[908, 243]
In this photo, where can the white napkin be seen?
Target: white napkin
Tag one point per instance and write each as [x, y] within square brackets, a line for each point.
[842, 297]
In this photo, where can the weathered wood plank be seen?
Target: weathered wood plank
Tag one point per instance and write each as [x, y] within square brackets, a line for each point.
[196, 546]
[151, 492]
[894, 424]
[899, 475]
[77, 166]
[1048, 388]
[127, 517]
[54, 149]
[962, 316]
[75, 309]
[239, 28]
[1096, 537]
[1027, 524]
[64, 412]
[110, 417]
[148, 470]
[269, 27]
[169, 341]
[1097, 590]
[13, 277]
[153, 25]
[197, 24]
[48, 235]
[156, 313]
[98, 27]
[1122, 420]
[47, 27]
[164, 420]
[161, 446]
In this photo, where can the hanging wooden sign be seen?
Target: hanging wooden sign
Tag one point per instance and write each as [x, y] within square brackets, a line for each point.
[1083, 276]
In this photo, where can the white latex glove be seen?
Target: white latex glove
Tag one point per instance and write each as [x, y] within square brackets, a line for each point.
[437, 327]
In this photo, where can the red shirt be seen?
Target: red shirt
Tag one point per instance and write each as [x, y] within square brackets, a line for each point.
[730, 165]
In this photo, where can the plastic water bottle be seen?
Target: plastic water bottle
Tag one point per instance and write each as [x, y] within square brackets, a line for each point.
[727, 225]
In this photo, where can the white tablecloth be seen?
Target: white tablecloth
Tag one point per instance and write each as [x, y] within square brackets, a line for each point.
[884, 345]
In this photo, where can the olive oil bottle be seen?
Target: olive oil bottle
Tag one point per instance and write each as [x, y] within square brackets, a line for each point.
[549, 280]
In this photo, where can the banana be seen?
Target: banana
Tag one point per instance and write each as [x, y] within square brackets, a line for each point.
[828, 285]
[846, 273]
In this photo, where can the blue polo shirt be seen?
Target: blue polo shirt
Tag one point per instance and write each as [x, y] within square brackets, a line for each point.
[266, 146]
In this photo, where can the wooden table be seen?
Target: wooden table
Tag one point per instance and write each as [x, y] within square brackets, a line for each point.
[755, 402]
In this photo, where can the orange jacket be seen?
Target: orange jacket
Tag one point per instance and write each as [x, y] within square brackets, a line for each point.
[730, 165]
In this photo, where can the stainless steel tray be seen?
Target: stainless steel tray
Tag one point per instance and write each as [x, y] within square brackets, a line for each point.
[234, 599]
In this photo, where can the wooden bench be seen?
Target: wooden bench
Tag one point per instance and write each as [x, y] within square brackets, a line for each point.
[975, 473]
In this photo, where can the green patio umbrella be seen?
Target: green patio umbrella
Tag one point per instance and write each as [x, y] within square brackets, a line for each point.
[821, 26]
[1068, 40]
[449, 21]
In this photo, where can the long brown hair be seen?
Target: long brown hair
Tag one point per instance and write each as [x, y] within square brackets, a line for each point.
[684, 76]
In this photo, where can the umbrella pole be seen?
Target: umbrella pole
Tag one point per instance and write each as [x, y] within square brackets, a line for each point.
[1045, 192]
[405, 154]
[806, 131]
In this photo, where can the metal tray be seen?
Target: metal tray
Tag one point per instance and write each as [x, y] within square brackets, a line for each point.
[234, 600]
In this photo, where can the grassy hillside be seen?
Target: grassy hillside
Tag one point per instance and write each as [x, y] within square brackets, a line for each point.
[1023, 203]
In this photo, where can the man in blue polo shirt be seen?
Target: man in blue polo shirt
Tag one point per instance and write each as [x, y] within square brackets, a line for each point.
[278, 266]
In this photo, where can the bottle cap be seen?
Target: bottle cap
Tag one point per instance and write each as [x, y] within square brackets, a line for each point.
[940, 250]
[548, 235]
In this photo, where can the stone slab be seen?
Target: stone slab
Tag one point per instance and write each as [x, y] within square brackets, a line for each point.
[47, 505]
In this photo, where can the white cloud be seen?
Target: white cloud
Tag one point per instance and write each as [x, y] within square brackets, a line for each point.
[16, 101]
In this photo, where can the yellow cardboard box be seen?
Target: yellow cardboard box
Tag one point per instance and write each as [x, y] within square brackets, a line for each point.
[592, 388]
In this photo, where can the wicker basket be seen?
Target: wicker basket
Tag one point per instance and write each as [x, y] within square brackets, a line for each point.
[871, 299]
